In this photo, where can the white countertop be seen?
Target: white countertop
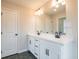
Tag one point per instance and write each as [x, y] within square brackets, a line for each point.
[51, 37]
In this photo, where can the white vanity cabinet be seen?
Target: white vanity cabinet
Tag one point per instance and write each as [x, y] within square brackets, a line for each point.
[49, 50]
[43, 48]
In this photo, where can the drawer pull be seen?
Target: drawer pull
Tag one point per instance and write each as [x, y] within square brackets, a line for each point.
[36, 54]
[36, 46]
[16, 34]
[47, 52]
[1, 33]
[30, 42]
[36, 40]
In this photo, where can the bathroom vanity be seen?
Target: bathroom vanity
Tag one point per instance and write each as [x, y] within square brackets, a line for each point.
[46, 46]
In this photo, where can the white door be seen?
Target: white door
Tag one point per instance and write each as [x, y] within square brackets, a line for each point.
[8, 30]
[3, 33]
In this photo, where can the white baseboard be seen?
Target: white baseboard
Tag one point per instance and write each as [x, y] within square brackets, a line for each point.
[20, 51]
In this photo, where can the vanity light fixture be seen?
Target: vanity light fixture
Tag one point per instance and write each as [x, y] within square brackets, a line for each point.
[39, 12]
[54, 3]
[59, 1]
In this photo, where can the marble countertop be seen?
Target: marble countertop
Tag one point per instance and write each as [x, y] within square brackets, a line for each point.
[51, 37]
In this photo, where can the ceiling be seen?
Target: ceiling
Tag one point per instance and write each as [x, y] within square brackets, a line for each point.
[36, 4]
[33, 4]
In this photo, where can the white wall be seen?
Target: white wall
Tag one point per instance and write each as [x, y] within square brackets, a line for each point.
[72, 18]
[25, 23]
[44, 23]
[55, 19]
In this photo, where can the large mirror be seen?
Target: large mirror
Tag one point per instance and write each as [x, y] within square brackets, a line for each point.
[52, 20]
[61, 24]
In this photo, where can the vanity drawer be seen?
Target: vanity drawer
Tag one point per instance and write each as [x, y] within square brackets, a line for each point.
[36, 43]
[36, 48]
[36, 53]
[36, 39]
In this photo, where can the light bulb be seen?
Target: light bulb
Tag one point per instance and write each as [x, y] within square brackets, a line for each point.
[54, 3]
[39, 12]
[57, 6]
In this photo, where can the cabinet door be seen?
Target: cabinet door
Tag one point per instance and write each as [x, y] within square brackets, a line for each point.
[31, 44]
[9, 32]
[55, 52]
[49, 50]
[45, 50]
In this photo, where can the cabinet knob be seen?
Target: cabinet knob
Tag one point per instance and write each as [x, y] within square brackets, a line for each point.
[1, 33]
[30, 42]
[36, 46]
[36, 40]
[1, 52]
[36, 54]
[16, 34]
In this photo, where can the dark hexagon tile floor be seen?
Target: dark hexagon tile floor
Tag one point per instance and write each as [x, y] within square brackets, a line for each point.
[24, 55]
